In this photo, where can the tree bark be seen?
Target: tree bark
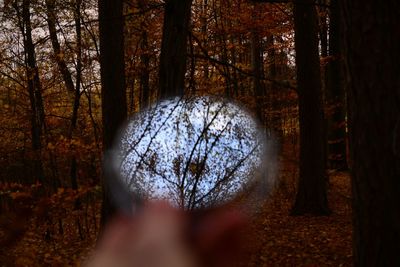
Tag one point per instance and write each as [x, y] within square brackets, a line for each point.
[371, 45]
[113, 93]
[174, 48]
[335, 94]
[311, 196]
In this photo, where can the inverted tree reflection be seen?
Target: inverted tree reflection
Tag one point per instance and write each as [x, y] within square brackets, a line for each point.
[194, 152]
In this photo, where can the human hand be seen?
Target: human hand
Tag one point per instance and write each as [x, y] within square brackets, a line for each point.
[164, 236]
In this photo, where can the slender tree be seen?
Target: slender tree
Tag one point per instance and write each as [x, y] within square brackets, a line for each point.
[58, 53]
[34, 86]
[77, 90]
[73, 90]
[311, 195]
[371, 44]
[256, 64]
[272, 90]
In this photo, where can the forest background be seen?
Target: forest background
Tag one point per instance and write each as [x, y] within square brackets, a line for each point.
[72, 71]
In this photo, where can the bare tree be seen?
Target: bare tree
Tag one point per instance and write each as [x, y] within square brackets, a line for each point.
[34, 86]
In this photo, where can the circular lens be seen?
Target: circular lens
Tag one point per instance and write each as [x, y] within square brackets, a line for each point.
[194, 152]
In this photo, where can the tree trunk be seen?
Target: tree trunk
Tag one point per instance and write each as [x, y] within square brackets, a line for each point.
[144, 72]
[371, 45]
[58, 54]
[77, 94]
[256, 63]
[113, 93]
[204, 37]
[34, 88]
[335, 95]
[174, 48]
[273, 92]
[311, 196]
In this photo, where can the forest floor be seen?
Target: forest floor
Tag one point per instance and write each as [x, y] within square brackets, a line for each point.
[277, 239]
[283, 240]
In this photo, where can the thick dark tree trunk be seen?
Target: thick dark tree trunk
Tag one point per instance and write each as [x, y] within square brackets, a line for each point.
[335, 94]
[113, 93]
[311, 196]
[174, 47]
[371, 45]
